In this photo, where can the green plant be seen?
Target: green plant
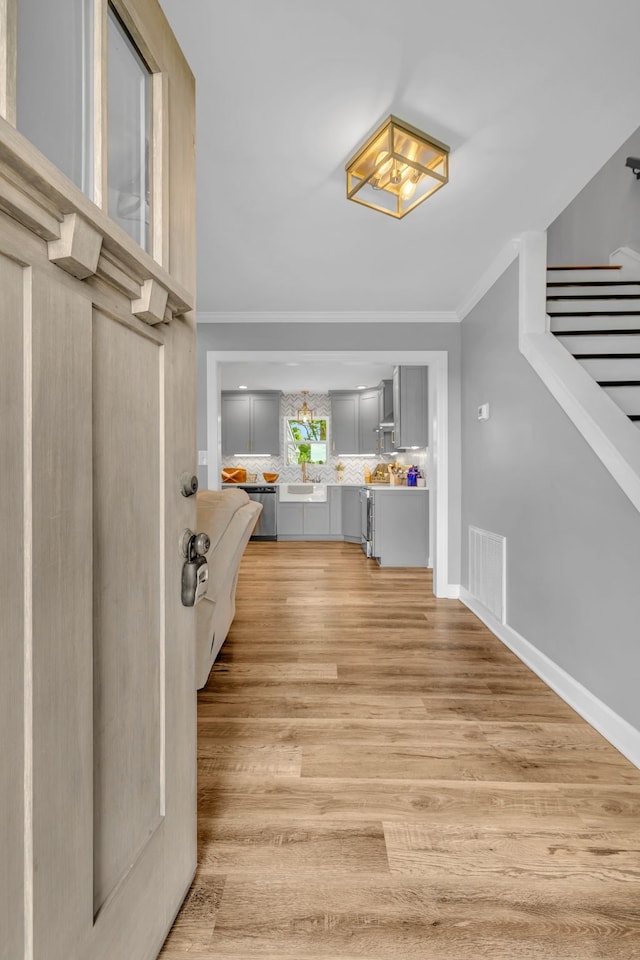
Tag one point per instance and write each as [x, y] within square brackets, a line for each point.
[340, 466]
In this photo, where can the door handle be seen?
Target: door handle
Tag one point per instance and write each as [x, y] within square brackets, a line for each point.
[195, 570]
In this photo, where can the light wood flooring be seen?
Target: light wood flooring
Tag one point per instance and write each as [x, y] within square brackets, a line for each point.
[379, 778]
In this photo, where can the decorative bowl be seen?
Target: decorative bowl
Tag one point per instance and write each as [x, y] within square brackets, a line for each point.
[270, 477]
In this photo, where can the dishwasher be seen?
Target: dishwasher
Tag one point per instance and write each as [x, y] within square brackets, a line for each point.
[266, 528]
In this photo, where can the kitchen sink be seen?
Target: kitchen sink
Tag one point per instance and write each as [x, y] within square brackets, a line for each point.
[302, 492]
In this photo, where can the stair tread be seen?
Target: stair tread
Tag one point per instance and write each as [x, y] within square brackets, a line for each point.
[618, 383]
[606, 356]
[582, 266]
[630, 332]
[593, 283]
[593, 296]
[594, 313]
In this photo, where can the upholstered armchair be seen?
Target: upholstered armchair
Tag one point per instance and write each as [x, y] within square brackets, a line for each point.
[228, 517]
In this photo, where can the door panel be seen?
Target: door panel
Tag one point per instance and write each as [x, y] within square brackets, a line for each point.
[59, 451]
[128, 575]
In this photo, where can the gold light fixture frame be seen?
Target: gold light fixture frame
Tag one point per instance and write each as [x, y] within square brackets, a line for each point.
[398, 168]
[305, 413]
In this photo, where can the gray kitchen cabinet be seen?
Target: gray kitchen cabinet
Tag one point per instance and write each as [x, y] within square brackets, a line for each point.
[401, 528]
[335, 511]
[344, 422]
[410, 407]
[311, 521]
[386, 426]
[316, 519]
[368, 421]
[250, 422]
[354, 421]
[290, 519]
[385, 401]
[351, 514]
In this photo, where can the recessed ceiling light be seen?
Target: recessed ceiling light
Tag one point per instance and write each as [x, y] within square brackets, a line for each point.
[243, 386]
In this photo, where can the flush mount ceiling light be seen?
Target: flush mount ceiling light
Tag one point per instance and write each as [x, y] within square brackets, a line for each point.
[305, 413]
[397, 168]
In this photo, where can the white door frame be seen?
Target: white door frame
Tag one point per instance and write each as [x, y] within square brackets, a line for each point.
[436, 360]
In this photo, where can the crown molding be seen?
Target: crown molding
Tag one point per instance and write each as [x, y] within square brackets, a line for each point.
[328, 316]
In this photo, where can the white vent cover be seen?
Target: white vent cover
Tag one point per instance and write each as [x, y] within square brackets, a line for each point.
[487, 571]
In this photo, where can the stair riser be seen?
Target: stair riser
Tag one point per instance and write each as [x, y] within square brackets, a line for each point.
[602, 292]
[586, 307]
[608, 322]
[612, 369]
[583, 276]
[627, 398]
[594, 344]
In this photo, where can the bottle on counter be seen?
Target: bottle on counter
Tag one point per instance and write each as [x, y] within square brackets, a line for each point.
[412, 477]
[367, 475]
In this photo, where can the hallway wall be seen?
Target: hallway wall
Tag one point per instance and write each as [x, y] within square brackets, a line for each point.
[573, 538]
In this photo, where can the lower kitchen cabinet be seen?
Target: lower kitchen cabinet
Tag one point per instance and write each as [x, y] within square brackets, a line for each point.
[401, 528]
[351, 514]
[308, 521]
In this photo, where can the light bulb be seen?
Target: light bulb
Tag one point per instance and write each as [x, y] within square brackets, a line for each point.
[409, 186]
[375, 181]
[385, 166]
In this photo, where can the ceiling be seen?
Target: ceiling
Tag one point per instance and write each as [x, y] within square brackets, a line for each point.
[531, 97]
[305, 373]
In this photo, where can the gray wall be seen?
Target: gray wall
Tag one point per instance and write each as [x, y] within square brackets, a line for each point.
[346, 336]
[573, 538]
[603, 216]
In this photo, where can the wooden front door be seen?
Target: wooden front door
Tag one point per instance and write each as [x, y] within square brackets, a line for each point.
[97, 424]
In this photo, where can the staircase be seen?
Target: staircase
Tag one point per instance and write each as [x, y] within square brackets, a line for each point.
[596, 317]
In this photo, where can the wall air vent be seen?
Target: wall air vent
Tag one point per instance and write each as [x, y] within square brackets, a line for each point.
[487, 571]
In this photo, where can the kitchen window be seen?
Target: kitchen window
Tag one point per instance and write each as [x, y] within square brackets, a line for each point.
[306, 441]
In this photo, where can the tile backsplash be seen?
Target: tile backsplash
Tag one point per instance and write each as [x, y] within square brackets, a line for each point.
[354, 466]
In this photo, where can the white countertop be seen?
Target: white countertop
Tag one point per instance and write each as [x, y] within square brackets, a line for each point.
[332, 483]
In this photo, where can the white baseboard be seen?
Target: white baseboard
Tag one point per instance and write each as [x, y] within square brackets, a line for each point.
[453, 591]
[613, 727]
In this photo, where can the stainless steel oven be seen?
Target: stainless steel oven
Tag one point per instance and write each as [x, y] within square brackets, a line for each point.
[266, 528]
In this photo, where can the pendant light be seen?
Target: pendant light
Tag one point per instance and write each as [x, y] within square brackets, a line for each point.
[305, 413]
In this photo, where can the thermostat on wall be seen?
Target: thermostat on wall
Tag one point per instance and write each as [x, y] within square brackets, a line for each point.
[483, 411]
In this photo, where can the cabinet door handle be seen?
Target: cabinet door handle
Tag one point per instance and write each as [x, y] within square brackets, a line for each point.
[393, 438]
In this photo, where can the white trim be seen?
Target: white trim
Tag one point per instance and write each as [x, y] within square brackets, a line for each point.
[493, 272]
[214, 446]
[436, 360]
[328, 316]
[453, 591]
[614, 728]
[610, 434]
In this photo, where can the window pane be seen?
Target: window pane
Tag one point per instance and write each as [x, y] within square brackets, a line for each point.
[129, 127]
[55, 84]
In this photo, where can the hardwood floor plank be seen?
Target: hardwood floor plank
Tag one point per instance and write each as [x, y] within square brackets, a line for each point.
[444, 852]
[299, 846]
[522, 805]
[302, 704]
[417, 919]
[381, 779]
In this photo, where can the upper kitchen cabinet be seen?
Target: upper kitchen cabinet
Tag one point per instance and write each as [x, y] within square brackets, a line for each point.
[250, 422]
[354, 422]
[410, 407]
[385, 401]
